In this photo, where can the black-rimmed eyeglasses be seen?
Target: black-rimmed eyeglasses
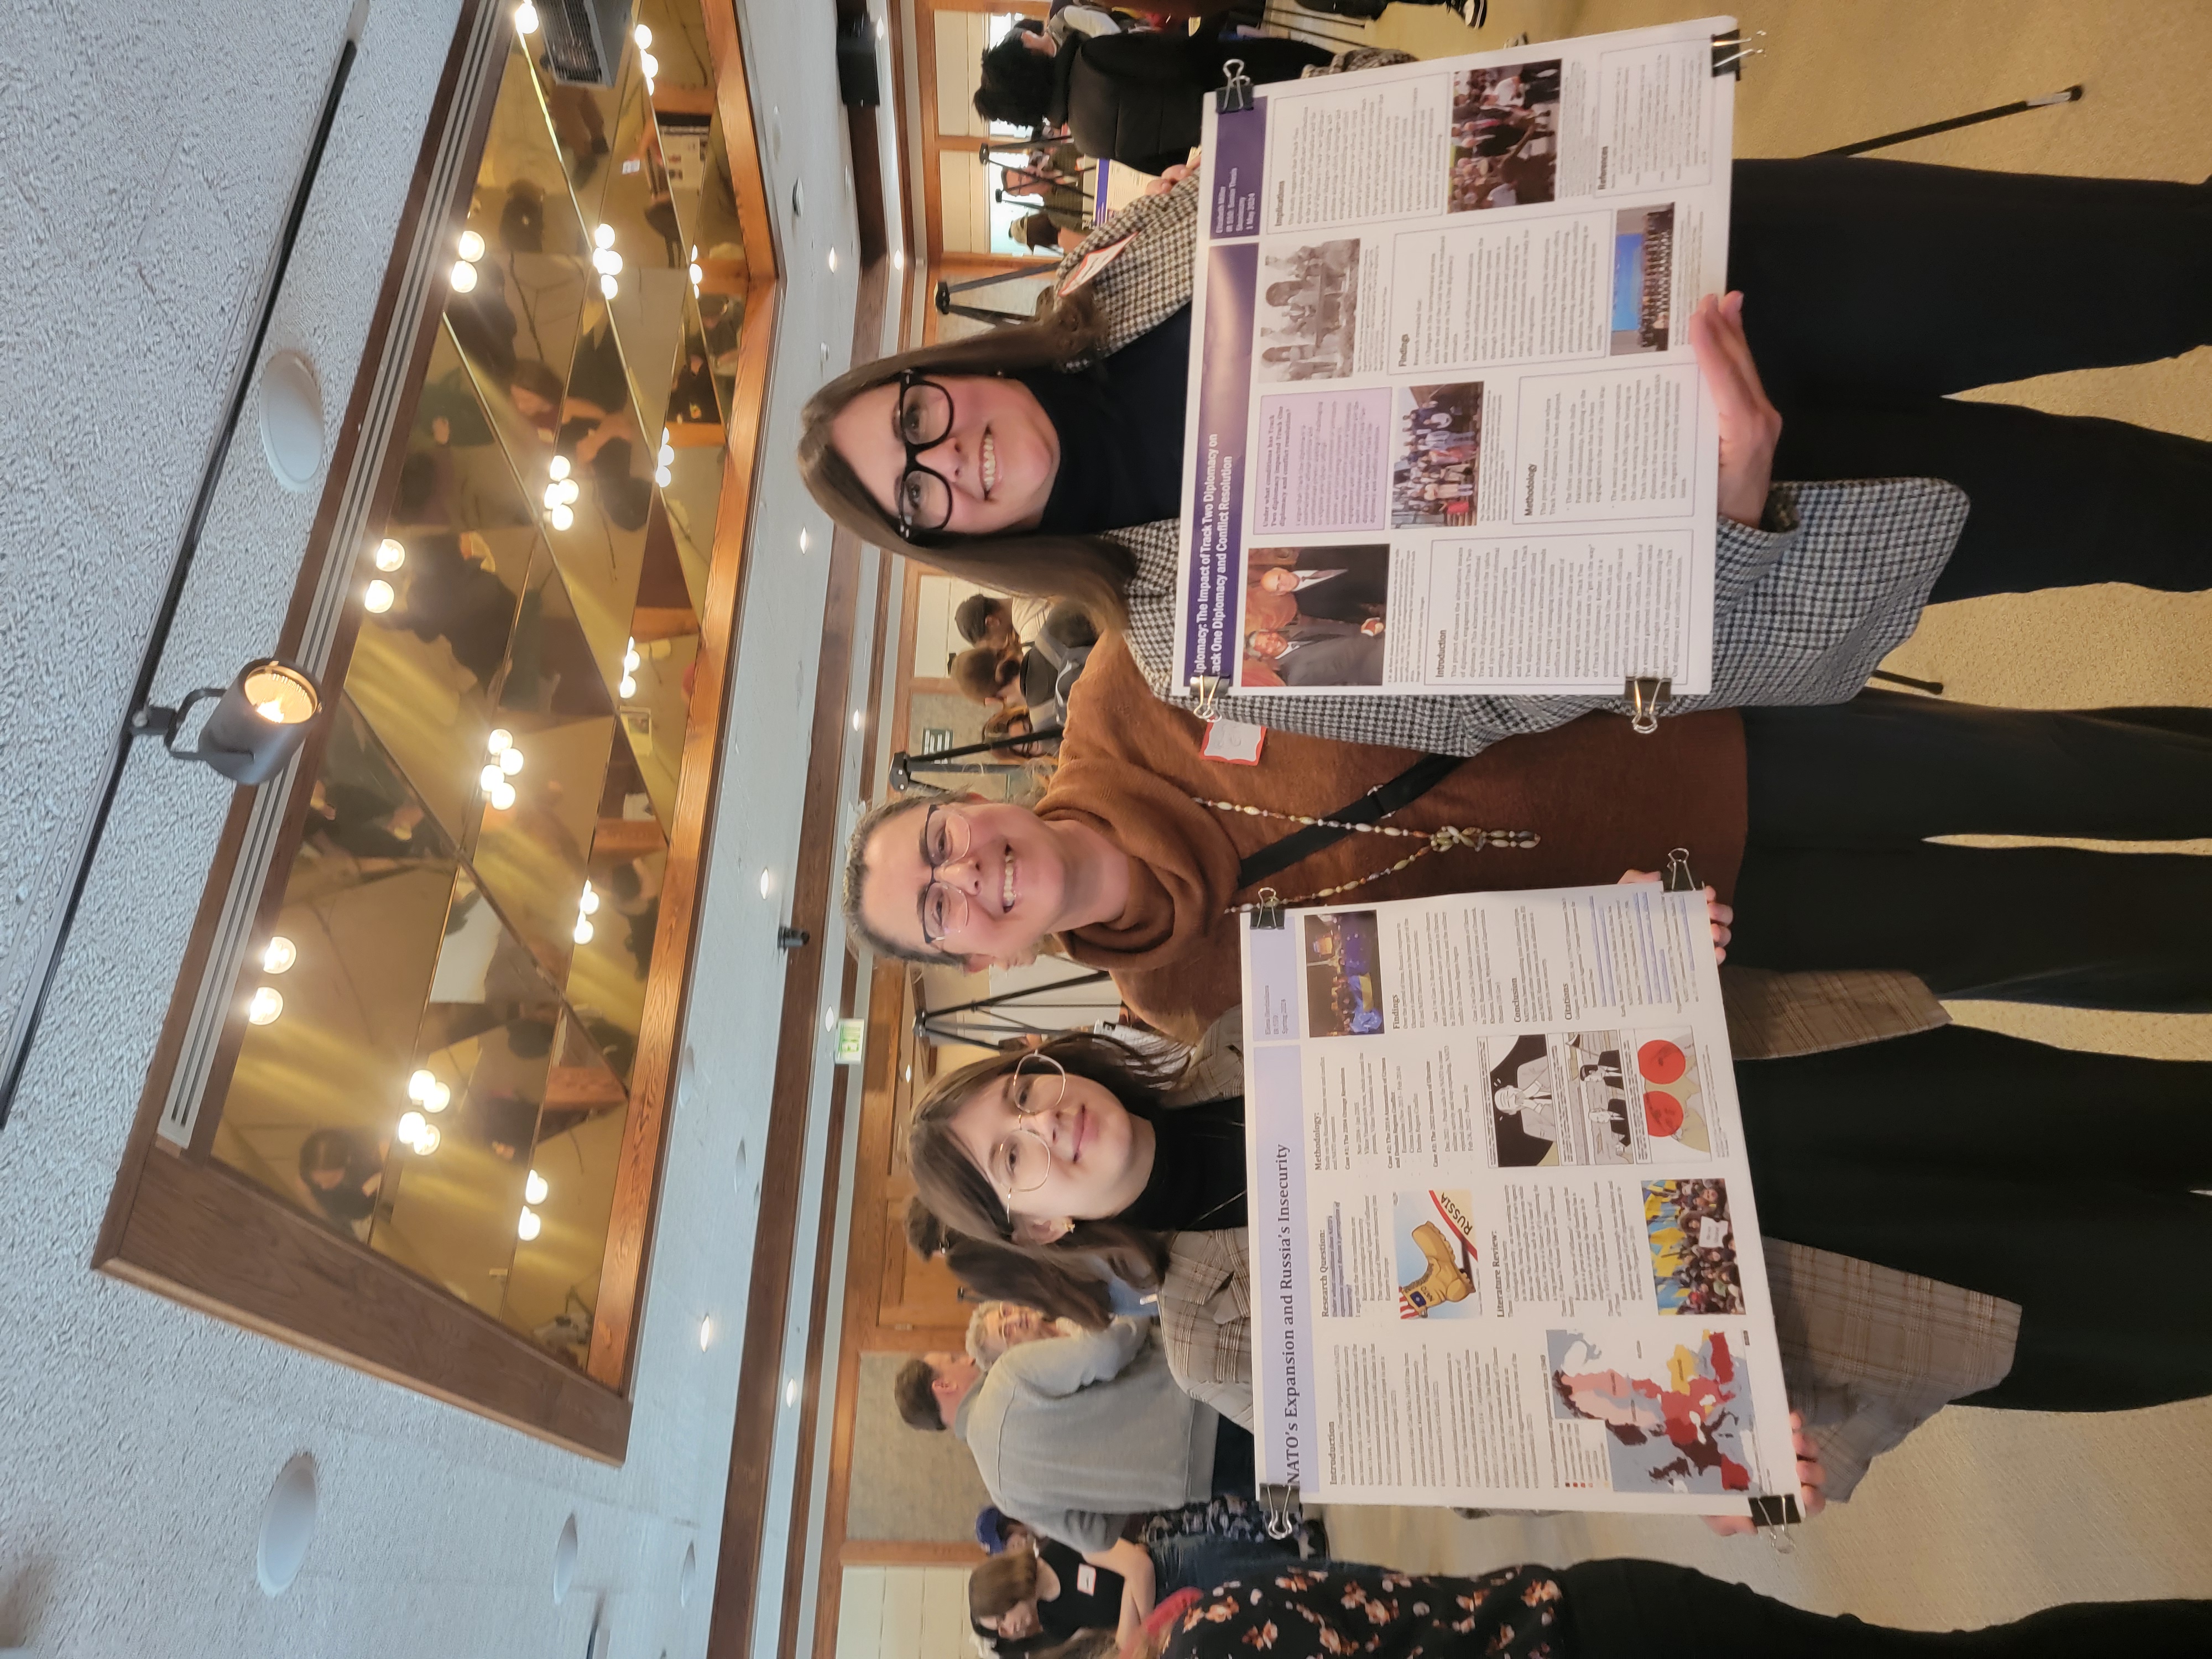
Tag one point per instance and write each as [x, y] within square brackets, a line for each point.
[922, 421]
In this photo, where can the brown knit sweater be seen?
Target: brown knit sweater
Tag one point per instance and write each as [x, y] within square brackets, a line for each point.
[1603, 799]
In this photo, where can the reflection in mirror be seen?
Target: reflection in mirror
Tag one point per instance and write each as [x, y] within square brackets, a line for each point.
[436, 1061]
[481, 1054]
[664, 645]
[601, 551]
[691, 457]
[588, 123]
[618, 911]
[724, 270]
[456, 554]
[553, 1290]
[515, 319]
[543, 781]
[638, 224]
[309, 1113]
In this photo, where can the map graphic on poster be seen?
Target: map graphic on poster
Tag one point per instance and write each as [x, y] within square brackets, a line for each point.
[1677, 1425]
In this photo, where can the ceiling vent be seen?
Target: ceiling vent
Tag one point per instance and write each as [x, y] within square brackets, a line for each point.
[584, 39]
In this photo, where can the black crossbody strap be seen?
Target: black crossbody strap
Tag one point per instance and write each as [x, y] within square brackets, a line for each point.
[1378, 803]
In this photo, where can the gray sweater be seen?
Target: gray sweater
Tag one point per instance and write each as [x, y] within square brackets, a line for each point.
[1072, 1434]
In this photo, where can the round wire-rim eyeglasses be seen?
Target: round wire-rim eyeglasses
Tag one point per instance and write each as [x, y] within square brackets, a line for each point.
[1036, 1086]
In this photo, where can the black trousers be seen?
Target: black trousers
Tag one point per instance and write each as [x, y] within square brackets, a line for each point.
[2059, 1180]
[1630, 1609]
[1235, 1460]
[1873, 288]
[1838, 873]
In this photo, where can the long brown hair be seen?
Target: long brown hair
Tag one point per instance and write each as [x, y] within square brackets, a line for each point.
[1002, 1584]
[998, 1272]
[964, 1199]
[1089, 569]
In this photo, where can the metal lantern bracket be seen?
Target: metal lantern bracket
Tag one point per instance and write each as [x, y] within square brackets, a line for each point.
[160, 720]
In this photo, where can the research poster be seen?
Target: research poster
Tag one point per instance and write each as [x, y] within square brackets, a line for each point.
[1505, 1251]
[1446, 431]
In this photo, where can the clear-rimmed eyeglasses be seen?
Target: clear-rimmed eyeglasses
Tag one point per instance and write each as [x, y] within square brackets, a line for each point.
[923, 418]
[1021, 1161]
[944, 840]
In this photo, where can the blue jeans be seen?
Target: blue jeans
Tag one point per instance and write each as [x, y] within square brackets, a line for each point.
[1200, 1563]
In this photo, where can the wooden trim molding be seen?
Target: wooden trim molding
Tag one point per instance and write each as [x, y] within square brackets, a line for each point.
[899, 1552]
[760, 1370]
[208, 1238]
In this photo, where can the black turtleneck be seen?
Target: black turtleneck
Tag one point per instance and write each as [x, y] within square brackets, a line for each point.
[1198, 1170]
[1121, 424]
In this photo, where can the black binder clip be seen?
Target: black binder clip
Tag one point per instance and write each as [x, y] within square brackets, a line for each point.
[1206, 696]
[1268, 912]
[1775, 1510]
[1237, 95]
[1730, 51]
[1770, 1514]
[1279, 1504]
[1677, 877]
[1645, 692]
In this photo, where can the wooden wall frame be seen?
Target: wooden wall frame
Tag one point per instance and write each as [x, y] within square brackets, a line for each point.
[180, 1223]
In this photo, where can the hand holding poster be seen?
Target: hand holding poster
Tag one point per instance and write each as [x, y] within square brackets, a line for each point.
[1435, 342]
[1504, 1247]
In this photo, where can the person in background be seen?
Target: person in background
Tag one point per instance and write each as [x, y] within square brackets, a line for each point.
[1073, 1435]
[996, 1326]
[1616, 1609]
[343, 1173]
[1135, 99]
[1000, 620]
[1041, 232]
[1040, 1590]
[991, 677]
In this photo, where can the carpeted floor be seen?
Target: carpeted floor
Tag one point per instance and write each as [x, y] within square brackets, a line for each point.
[1981, 1516]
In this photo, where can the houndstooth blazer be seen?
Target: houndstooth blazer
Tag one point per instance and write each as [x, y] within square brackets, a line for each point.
[1804, 608]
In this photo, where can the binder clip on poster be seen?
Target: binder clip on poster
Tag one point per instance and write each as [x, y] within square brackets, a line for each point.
[1237, 95]
[1279, 1504]
[1770, 1514]
[1730, 51]
[1645, 692]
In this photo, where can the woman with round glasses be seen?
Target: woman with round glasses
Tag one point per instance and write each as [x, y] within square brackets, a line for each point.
[1069, 1154]
[1071, 1147]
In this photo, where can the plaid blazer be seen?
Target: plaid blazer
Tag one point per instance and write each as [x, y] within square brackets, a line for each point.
[1868, 1353]
[1804, 608]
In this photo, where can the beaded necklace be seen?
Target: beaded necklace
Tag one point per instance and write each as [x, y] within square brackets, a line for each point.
[1432, 841]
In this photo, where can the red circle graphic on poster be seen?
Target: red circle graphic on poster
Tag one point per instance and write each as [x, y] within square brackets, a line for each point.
[1661, 1061]
[1662, 1113]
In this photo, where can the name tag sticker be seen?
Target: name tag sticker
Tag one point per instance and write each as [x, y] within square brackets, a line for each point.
[1238, 742]
[1086, 1579]
[1088, 267]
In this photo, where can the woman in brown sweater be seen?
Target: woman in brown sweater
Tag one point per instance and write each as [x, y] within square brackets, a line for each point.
[1132, 859]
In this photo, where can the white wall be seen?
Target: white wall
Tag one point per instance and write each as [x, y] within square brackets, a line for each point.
[149, 155]
[905, 1613]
